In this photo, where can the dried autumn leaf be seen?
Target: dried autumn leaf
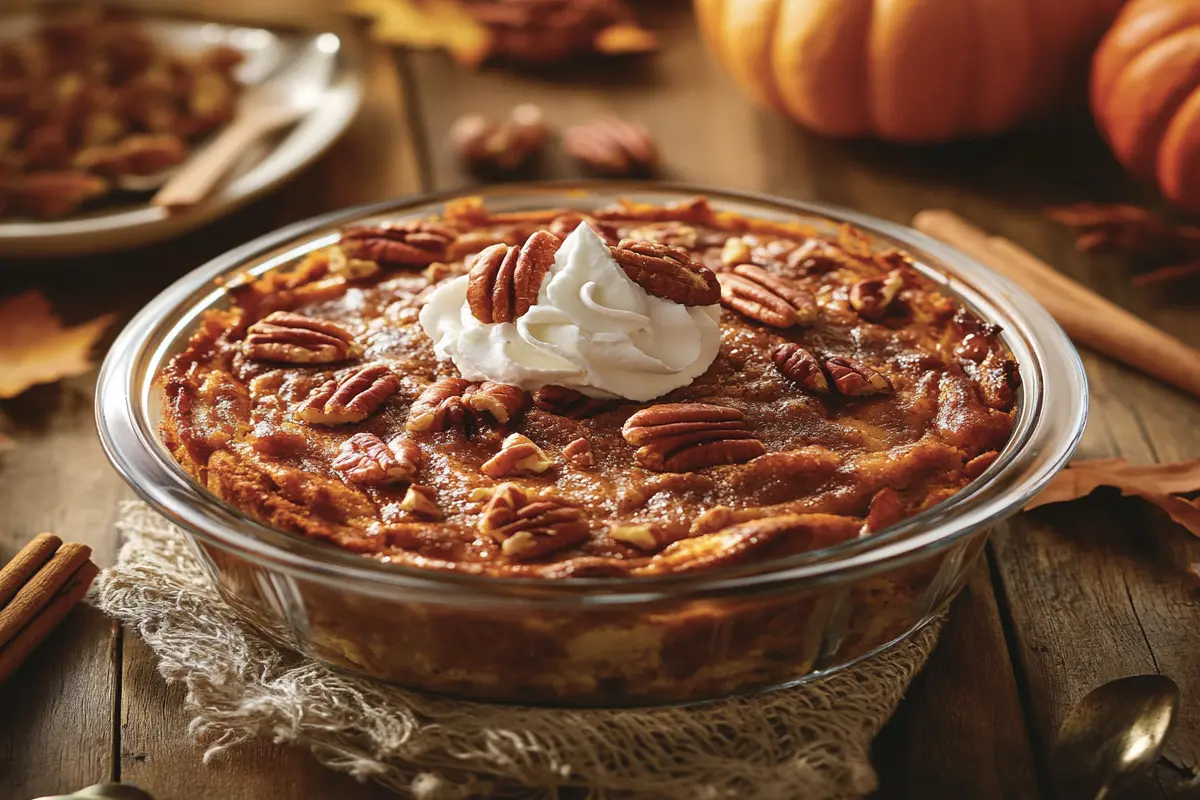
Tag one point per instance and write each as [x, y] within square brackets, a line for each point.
[429, 24]
[1157, 483]
[36, 348]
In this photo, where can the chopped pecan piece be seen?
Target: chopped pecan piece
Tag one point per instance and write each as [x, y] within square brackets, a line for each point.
[297, 339]
[419, 500]
[673, 234]
[566, 402]
[518, 454]
[872, 297]
[502, 401]
[439, 407]
[736, 251]
[973, 347]
[505, 281]
[564, 225]
[352, 399]
[799, 365]
[352, 269]
[579, 453]
[682, 437]
[366, 459]
[645, 535]
[610, 145]
[759, 295]
[528, 526]
[853, 378]
[405, 244]
[667, 272]
[499, 148]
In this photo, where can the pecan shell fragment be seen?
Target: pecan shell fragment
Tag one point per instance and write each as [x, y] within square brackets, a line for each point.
[682, 437]
[297, 339]
[667, 272]
[352, 399]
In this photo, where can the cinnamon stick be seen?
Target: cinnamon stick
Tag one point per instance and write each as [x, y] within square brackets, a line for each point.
[47, 617]
[33, 596]
[25, 564]
[1087, 317]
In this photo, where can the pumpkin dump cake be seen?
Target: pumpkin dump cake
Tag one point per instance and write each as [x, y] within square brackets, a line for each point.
[641, 390]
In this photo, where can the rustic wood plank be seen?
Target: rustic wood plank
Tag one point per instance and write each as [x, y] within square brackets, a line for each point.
[375, 160]
[975, 744]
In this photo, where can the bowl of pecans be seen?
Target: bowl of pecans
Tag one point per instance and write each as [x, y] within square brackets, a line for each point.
[98, 106]
[591, 443]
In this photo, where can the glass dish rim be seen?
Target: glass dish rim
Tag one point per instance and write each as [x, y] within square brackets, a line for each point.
[136, 452]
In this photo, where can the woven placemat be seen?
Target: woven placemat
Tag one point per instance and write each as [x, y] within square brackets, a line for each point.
[809, 741]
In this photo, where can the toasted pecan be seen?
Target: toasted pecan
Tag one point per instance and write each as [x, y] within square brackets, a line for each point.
[667, 272]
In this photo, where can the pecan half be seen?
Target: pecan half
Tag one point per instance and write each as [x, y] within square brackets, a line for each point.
[759, 295]
[853, 378]
[667, 272]
[352, 399]
[297, 339]
[502, 401]
[499, 148]
[566, 402]
[872, 297]
[610, 145]
[419, 500]
[439, 407]
[799, 365]
[518, 454]
[405, 244]
[682, 437]
[505, 281]
[366, 459]
[579, 453]
[564, 225]
[528, 526]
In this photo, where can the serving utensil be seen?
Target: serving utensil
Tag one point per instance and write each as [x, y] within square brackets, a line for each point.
[271, 105]
[1112, 736]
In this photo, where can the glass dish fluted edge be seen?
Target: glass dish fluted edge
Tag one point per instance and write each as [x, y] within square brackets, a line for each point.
[1052, 411]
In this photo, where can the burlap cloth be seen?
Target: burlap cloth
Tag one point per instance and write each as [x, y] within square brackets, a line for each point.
[809, 741]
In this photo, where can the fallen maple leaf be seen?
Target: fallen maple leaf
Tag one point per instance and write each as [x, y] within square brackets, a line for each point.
[36, 348]
[1157, 483]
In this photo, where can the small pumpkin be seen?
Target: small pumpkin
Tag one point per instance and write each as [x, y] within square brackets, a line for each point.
[1145, 94]
[906, 70]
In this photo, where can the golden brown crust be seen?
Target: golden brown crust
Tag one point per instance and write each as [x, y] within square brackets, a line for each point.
[884, 399]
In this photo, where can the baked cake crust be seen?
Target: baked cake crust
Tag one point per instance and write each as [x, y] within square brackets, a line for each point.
[848, 394]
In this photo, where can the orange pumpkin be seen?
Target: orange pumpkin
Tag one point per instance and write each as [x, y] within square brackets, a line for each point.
[907, 70]
[1146, 94]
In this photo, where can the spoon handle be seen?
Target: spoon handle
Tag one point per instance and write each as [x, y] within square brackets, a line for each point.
[196, 179]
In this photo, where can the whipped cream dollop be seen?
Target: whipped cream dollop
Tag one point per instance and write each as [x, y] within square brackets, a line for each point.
[592, 329]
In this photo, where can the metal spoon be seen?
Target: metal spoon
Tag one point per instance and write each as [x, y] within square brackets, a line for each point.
[1112, 736]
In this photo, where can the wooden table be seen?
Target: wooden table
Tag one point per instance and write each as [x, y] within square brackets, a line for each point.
[1068, 597]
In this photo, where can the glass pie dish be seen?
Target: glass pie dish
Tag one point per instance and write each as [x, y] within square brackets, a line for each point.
[595, 641]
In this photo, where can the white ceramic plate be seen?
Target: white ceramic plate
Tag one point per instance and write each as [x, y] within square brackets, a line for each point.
[126, 220]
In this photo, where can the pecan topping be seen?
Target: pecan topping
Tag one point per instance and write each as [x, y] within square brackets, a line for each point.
[799, 365]
[667, 272]
[759, 295]
[366, 459]
[518, 454]
[499, 148]
[645, 535]
[439, 407]
[405, 244]
[609, 145]
[872, 297]
[297, 339]
[682, 437]
[567, 402]
[352, 399]
[528, 527]
[502, 401]
[505, 280]
[853, 378]
[352, 269]
[736, 251]
[974, 347]
[674, 234]
[579, 453]
[419, 500]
